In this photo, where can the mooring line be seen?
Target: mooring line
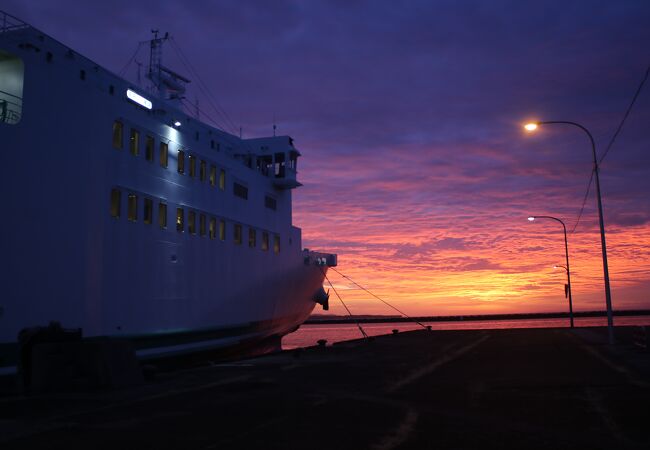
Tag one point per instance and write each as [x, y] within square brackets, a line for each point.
[380, 299]
[344, 305]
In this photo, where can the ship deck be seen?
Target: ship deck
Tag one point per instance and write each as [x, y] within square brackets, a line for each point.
[526, 388]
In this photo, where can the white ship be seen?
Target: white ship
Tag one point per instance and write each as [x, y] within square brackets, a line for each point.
[129, 218]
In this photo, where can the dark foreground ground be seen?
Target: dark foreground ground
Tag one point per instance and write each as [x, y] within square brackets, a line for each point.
[507, 389]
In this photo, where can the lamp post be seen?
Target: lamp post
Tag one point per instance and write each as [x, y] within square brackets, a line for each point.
[608, 296]
[566, 253]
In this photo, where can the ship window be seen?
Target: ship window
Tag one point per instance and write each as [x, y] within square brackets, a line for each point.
[270, 203]
[12, 74]
[265, 241]
[82, 74]
[279, 165]
[116, 196]
[213, 176]
[202, 171]
[202, 224]
[222, 230]
[179, 219]
[293, 160]
[240, 190]
[111, 89]
[192, 166]
[162, 215]
[148, 211]
[148, 151]
[252, 237]
[222, 179]
[213, 228]
[133, 208]
[237, 234]
[164, 154]
[276, 244]
[212, 144]
[191, 222]
[181, 161]
[118, 129]
[134, 142]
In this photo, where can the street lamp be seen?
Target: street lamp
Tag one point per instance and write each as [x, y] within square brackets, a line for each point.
[566, 253]
[608, 296]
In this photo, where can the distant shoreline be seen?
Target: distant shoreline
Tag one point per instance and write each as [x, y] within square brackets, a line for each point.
[315, 320]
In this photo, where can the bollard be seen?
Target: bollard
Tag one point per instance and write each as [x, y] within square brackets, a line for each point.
[395, 331]
[429, 327]
[322, 343]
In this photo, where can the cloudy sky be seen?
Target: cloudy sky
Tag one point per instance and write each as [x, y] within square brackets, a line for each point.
[416, 169]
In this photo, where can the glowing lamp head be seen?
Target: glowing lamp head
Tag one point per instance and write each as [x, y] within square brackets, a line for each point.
[555, 267]
[177, 123]
[532, 126]
[531, 218]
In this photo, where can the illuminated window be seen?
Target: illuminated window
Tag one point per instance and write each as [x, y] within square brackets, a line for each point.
[134, 142]
[237, 234]
[276, 243]
[252, 237]
[202, 224]
[192, 166]
[148, 148]
[148, 211]
[181, 161]
[240, 190]
[222, 229]
[222, 179]
[213, 228]
[179, 219]
[202, 171]
[265, 241]
[118, 130]
[132, 208]
[164, 154]
[116, 197]
[191, 222]
[12, 77]
[162, 215]
[213, 176]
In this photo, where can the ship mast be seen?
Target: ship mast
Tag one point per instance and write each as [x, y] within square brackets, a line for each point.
[168, 84]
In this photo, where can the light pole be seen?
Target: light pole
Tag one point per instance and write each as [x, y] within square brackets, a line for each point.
[566, 253]
[608, 296]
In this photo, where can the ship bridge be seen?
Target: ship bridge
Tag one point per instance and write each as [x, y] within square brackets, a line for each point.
[275, 157]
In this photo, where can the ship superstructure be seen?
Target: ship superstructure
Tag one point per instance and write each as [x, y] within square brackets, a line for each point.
[127, 217]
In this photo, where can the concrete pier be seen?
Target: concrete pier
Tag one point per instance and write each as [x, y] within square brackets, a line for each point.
[519, 389]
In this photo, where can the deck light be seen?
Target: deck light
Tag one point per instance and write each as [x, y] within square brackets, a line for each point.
[137, 98]
[531, 126]
[531, 218]
[177, 123]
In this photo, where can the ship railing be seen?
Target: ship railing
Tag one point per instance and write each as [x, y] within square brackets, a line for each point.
[10, 108]
[9, 22]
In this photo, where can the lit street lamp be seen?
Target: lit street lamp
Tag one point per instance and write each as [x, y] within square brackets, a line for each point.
[566, 253]
[608, 296]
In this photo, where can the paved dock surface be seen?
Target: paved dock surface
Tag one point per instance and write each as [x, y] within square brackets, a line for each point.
[519, 389]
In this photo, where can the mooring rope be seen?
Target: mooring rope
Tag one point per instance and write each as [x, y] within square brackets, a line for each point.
[380, 299]
[365, 336]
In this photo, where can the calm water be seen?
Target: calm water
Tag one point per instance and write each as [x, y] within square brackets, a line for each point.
[308, 334]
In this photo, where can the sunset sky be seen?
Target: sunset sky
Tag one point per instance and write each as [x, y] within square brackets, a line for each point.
[416, 169]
